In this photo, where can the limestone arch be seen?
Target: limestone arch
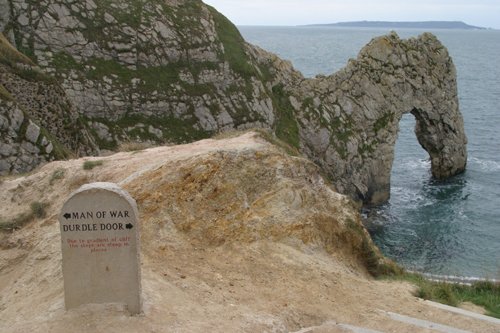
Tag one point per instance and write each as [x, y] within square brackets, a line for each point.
[440, 134]
[443, 141]
[351, 131]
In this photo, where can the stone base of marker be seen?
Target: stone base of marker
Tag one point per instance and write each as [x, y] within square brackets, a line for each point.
[100, 247]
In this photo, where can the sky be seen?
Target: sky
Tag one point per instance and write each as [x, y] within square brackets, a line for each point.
[484, 13]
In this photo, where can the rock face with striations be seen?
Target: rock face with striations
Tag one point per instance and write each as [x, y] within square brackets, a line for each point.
[145, 70]
[37, 122]
[177, 71]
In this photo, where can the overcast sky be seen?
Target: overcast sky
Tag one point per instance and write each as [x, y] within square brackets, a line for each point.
[484, 13]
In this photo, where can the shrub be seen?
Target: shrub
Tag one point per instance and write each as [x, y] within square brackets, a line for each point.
[56, 175]
[89, 165]
[38, 209]
[17, 222]
[134, 146]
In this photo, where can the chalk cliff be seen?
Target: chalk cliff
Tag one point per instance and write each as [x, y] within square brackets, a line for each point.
[178, 71]
[37, 122]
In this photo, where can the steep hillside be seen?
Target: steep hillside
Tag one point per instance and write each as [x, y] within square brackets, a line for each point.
[37, 122]
[177, 71]
[236, 236]
[147, 70]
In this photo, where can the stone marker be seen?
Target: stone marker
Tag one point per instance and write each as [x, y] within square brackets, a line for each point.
[100, 242]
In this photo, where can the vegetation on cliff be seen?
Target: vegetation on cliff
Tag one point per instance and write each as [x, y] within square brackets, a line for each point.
[179, 71]
[37, 122]
[485, 294]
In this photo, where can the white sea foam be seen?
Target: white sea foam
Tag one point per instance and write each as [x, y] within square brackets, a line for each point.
[484, 165]
[410, 198]
[467, 280]
[413, 163]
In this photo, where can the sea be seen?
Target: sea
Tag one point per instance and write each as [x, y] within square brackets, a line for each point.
[447, 227]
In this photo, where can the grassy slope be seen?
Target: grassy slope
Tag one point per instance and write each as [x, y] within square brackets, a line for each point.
[485, 294]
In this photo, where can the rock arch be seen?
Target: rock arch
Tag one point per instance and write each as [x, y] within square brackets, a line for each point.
[347, 122]
[350, 123]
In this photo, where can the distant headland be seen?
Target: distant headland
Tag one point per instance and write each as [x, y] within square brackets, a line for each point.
[409, 25]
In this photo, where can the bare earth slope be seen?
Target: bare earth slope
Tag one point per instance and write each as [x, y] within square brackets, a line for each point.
[236, 236]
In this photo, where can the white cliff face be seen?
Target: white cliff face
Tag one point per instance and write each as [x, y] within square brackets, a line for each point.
[127, 63]
[37, 122]
[22, 146]
[178, 71]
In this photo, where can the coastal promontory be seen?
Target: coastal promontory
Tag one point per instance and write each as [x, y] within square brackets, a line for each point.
[179, 71]
[247, 177]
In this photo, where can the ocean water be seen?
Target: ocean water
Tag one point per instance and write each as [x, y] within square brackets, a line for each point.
[450, 227]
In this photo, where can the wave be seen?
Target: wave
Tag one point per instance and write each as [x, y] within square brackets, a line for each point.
[410, 198]
[466, 280]
[418, 164]
[413, 163]
[484, 165]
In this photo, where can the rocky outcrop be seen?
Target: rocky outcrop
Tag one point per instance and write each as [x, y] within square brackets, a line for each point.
[37, 122]
[348, 122]
[179, 71]
[23, 145]
[145, 70]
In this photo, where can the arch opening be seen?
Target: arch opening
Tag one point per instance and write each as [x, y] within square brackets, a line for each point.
[440, 146]
[411, 164]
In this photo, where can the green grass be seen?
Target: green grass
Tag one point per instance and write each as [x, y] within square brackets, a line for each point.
[485, 294]
[57, 175]
[38, 209]
[234, 45]
[64, 61]
[174, 129]
[376, 264]
[89, 165]
[59, 151]
[383, 121]
[287, 128]
[273, 139]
